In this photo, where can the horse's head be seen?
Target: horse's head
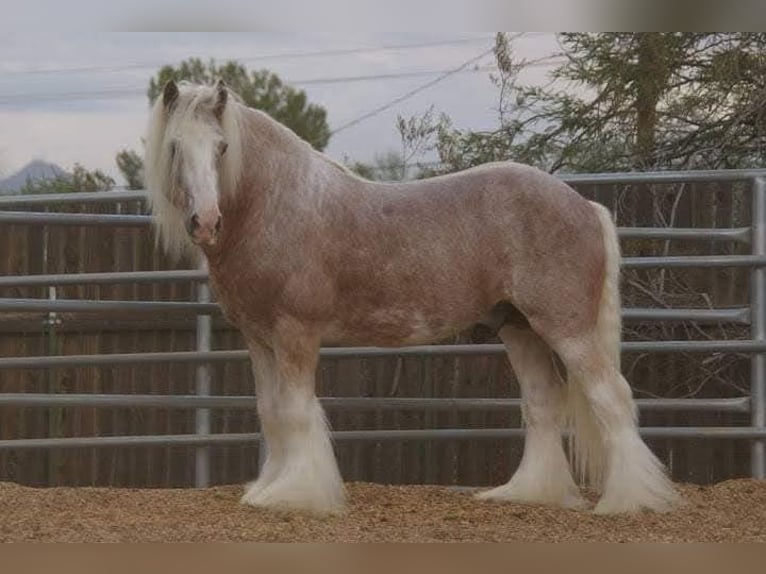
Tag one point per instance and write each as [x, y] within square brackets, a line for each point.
[186, 155]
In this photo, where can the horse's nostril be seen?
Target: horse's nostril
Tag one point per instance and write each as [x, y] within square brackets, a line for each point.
[194, 222]
[218, 225]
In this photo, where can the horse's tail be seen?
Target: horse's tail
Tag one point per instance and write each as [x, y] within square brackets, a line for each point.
[609, 325]
[586, 442]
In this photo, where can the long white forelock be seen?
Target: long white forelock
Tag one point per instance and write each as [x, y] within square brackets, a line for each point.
[168, 222]
[164, 127]
[231, 163]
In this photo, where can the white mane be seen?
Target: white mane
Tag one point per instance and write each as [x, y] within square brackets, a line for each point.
[193, 105]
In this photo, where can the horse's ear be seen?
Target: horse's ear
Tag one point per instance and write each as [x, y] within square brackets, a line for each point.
[169, 94]
[222, 95]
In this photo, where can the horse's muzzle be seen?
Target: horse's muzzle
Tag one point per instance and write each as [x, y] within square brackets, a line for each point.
[204, 230]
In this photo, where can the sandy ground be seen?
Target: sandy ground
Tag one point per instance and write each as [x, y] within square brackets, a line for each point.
[730, 511]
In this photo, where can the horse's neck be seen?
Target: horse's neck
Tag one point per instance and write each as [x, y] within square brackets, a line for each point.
[274, 167]
[272, 155]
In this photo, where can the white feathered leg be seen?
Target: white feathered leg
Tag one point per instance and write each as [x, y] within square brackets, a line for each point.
[544, 476]
[266, 384]
[300, 471]
[605, 423]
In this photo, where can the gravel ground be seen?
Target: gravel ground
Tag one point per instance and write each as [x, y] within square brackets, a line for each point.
[730, 511]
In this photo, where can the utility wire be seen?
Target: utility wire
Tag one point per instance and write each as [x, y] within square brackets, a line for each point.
[119, 92]
[277, 56]
[411, 93]
[131, 91]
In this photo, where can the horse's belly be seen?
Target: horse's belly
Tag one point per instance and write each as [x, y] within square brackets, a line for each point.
[394, 328]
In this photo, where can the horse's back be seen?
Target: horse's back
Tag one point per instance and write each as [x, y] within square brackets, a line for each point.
[451, 247]
[506, 203]
[506, 186]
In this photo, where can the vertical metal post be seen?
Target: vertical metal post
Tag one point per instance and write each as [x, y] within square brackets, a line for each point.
[758, 329]
[49, 326]
[202, 416]
[54, 413]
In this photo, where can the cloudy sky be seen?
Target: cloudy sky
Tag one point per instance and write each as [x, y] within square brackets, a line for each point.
[81, 97]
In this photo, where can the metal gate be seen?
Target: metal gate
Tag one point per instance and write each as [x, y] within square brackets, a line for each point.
[753, 315]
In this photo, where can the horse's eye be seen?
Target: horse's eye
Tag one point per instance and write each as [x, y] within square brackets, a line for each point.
[222, 147]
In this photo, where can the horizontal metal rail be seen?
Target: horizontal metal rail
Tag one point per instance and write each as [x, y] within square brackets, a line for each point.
[740, 234]
[88, 306]
[694, 261]
[77, 219]
[368, 435]
[106, 278]
[73, 198]
[734, 315]
[695, 176]
[44, 400]
[115, 359]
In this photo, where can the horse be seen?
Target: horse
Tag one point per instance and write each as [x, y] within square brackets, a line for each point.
[301, 252]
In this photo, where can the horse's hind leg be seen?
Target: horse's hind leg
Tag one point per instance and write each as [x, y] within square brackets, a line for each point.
[605, 425]
[543, 476]
[576, 310]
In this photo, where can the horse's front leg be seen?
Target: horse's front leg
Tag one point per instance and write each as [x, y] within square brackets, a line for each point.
[300, 471]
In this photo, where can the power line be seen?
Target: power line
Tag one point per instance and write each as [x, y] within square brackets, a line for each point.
[411, 93]
[120, 92]
[277, 56]
[389, 76]
[131, 91]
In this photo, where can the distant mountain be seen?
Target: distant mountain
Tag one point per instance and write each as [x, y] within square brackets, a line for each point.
[34, 170]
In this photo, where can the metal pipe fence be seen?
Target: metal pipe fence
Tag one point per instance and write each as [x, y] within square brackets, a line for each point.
[203, 357]
[222, 439]
[758, 327]
[739, 404]
[739, 315]
[115, 359]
